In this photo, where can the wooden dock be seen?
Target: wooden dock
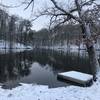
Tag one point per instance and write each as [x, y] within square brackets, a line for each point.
[77, 77]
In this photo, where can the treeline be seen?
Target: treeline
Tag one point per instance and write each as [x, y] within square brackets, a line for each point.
[13, 28]
[16, 29]
[57, 36]
[62, 35]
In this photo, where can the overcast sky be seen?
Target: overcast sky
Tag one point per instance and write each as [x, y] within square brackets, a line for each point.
[38, 24]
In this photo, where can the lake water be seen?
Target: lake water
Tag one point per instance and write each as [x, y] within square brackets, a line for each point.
[39, 67]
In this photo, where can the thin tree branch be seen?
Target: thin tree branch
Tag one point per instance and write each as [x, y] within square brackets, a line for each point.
[61, 9]
[30, 4]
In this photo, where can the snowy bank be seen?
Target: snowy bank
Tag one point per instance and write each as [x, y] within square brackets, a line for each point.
[65, 48]
[71, 47]
[16, 47]
[40, 92]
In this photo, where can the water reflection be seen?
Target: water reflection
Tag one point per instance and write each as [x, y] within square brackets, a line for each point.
[39, 66]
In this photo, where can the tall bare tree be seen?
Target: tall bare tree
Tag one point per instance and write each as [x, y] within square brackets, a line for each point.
[84, 12]
[12, 28]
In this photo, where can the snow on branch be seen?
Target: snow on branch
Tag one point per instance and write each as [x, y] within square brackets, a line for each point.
[64, 11]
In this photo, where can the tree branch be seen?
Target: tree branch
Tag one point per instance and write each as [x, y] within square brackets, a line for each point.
[62, 10]
[30, 4]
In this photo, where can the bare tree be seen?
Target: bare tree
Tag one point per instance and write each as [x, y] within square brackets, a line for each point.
[86, 13]
[12, 28]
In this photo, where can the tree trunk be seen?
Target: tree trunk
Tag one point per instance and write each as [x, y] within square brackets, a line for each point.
[87, 35]
[94, 64]
[93, 60]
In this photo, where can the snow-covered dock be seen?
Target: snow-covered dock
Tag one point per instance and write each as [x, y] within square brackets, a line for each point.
[77, 77]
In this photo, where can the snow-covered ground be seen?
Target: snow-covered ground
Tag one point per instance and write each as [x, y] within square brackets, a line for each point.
[73, 49]
[40, 92]
[17, 47]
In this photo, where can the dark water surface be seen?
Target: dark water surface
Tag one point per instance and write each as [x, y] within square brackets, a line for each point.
[39, 67]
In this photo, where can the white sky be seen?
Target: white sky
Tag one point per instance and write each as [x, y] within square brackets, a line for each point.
[38, 24]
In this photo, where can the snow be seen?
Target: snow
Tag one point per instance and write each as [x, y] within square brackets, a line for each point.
[76, 76]
[71, 47]
[17, 47]
[40, 92]
[88, 33]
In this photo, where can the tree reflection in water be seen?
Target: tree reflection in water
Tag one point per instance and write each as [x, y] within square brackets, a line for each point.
[18, 67]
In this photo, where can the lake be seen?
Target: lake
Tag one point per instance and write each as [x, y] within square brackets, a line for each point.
[40, 66]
